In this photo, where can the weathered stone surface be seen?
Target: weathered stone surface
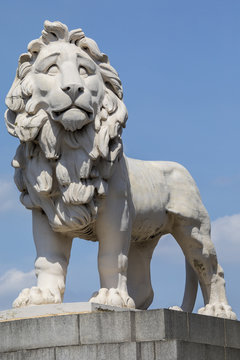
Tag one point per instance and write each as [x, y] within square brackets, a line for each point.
[189, 351]
[120, 335]
[183, 350]
[176, 324]
[166, 350]
[56, 309]
[83, 352]
[206, 330]
[232, 331]
[146, 350]
[39, 333]
[232, 354]
[120, 351]
[149, 325]
[105, 327]
[40, 354]
[128, 351]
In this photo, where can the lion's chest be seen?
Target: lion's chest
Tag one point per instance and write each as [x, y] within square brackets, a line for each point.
[88, 232]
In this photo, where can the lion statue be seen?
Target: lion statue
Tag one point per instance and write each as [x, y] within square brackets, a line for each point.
[66, 108]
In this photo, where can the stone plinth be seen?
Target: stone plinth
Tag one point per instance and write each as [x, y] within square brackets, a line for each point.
[105, 334]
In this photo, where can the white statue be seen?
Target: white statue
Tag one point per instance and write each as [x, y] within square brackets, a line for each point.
[66, 107]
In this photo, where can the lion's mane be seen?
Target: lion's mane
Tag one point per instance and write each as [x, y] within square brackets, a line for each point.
[67, 191]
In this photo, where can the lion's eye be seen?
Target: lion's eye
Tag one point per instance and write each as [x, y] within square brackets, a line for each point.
[52, 70]
[83, 71]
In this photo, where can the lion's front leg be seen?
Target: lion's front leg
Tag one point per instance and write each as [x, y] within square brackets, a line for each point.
[112, 266]
[53, 252]
[114, 234]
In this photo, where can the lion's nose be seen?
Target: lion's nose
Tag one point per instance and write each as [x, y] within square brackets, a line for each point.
[73, 90]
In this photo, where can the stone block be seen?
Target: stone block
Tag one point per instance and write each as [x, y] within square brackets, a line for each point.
[105, 327]
[232, 333]
[121, 351]
[128, 351]
[39, 354]
[206, 329]
[161, 324]
[176, 324]
[39, 333]
[11, 356]
[146, 351]
[195, 351]
[232, 354]
[108, 352]
[56, 309]
[149, 325]
[82, 352]
[166, 350]
[184, 350]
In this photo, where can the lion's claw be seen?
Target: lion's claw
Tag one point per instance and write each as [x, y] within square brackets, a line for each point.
[219, 310]
[113, 297]
[37, 296]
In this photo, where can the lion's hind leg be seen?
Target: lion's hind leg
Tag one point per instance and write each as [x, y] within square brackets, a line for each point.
[139, 277]
[190, 292]
[194, 238]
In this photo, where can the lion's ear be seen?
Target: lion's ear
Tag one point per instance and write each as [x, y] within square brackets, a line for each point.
[105, 59]
[10, 118]
[14, 100]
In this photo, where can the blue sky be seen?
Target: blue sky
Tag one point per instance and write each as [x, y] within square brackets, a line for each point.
[179, 65]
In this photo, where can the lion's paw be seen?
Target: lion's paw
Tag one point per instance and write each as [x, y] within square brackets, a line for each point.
[113, 297]
[37, 296]
[219, 310]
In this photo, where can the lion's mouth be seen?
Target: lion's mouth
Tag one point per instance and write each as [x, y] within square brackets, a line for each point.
[73, 117]
[57, 114]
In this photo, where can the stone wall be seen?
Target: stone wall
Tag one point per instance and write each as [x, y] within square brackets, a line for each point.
[120, 335]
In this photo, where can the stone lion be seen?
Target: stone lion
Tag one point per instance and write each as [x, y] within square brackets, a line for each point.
[66, 108]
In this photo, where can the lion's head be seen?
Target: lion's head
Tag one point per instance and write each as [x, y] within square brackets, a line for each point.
[66, 107]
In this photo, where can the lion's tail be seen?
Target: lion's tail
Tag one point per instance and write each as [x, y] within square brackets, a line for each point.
[191, 287]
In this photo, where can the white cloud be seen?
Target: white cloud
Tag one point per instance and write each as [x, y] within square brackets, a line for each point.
[169, 249]
[11, 283]
[226, 237]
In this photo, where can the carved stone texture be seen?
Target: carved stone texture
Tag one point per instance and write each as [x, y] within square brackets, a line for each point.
[118, 335]
[66, 108]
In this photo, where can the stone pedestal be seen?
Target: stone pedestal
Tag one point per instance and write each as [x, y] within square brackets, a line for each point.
[101, 333]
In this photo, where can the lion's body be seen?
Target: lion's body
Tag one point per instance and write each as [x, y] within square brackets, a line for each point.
[160, 191]
[66, 108]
